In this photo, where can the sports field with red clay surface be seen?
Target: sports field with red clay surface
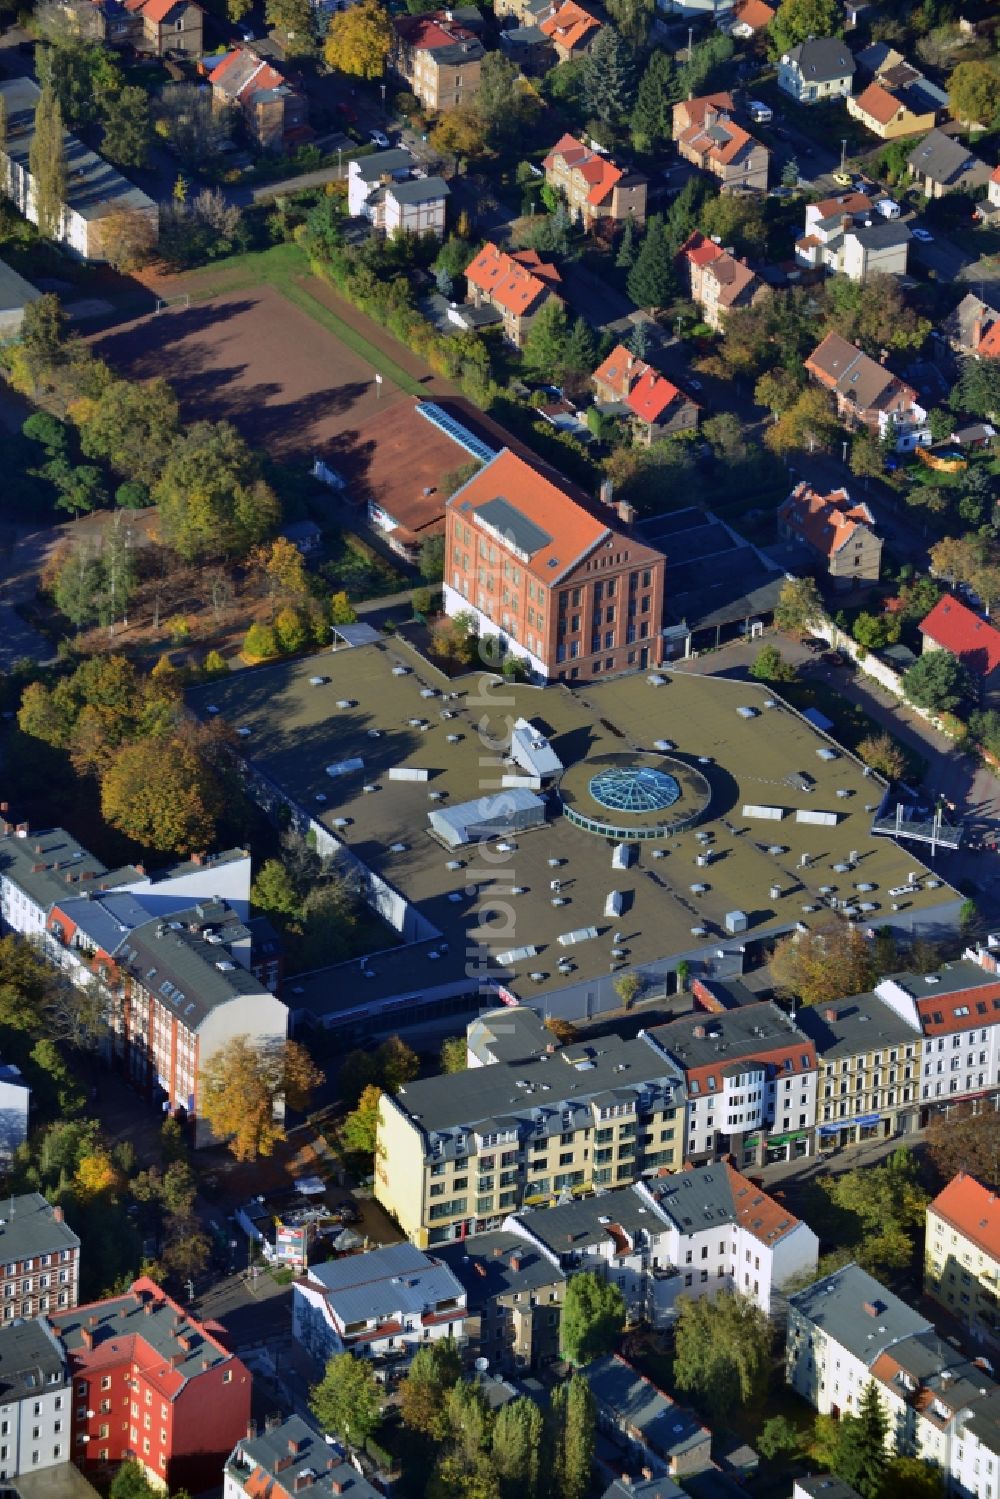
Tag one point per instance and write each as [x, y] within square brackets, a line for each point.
[294, 389]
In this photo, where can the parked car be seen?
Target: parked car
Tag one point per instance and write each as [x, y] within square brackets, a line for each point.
[843, 179]
[379, 138]
[812, 643]
[833, 658]
[923, 235]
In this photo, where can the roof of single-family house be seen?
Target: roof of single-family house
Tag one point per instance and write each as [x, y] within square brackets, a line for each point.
[973, 1210]
[826, 522]
[753, 13]
[396, 1280]
[158, 11]
[599, 172]
[877, 102]
[841, 366]
[957, 629]
[946, 160]
[646, 391]
[516, 281]
[243, 74]
[821, 59]
[570, 25]
[448, 41]
[419, 190]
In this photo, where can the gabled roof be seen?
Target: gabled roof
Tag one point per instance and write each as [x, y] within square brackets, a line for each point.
[646, 391]
[973, 1210]
[842, 367]
[853, 1309]
[843, 203]
[753, 13]
[435, 33]
[243, 74]
[419, 190]
[954, 627]
[826, 522]
[945, 160]
[515, 282]
[157, 11]
[709, 1196]
[720, 139]
[570, 25]
[878, 104]
[597, 171]
[700, 250]
[635, 1401]
[693, 111]
[822, 58]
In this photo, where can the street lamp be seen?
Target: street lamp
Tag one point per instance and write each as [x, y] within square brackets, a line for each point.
[382, 88]
[843, 154]
[340, 162]
[844, 458]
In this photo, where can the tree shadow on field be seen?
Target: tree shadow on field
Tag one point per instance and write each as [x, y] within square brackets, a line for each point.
[138, 349]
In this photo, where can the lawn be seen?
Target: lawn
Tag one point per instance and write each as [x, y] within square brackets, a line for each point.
[285, 267]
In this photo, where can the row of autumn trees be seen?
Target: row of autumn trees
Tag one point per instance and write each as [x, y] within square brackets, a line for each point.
[205, 480]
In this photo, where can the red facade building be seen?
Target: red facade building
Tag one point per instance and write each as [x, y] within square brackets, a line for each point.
[152, 1384]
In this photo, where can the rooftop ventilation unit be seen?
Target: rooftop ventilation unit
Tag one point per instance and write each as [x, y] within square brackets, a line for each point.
[341, 822]
[581, 934]
[225, 966]
[736, 921]
[809, 909]
[865, 887]
[615, 903]
[453, 738]
[408, 773]
[244, 732]
[435, 796]
[428, 692]
[770, 702]
[555, 863]
[559, 900]
[539, 978]
[777, 849]
[825, 752]
[663, 745]
[844, 792]
[453, 864]
[659, 853]
[346, 702]
[516, 955]
[375, 733]
[748, 712]
[775, 892]
[399, 670]
[698, 889]
[841, 868]
[868, 905]
[623, 856]
[702, 860]
[318, 681]
[656, 680]
[321, 796]
[397, 848]
[770, 814]
[369, 789]
[699, 931]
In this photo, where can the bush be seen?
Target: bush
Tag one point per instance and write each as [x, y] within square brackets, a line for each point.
[290, 631]
[260, 643]
[132, 495]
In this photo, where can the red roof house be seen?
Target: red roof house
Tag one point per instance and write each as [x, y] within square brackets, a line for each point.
[516, 285]
[571, 30]
[835, 528]
[659, 406]
[952, 626]
[169, 25]
[593, 186]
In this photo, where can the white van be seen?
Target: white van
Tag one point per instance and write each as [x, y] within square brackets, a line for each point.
[761, 114]
[887, 208]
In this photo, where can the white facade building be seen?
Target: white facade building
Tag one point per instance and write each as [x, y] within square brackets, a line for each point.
[957, 1011]
[35, 1415]
[381, 1305]
[821, 68]
[15, 1100]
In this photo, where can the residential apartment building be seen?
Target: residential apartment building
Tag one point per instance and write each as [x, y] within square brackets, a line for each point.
[838, 1328]
[993, 188]
[458, 1153]
[692, 1232]
[35, 1400]
[817, 70]
[438, 58]
[853, 240]
[180, 990]
[382, 1305]
[154, 1385]
[974, 328]
[869, 1080]
[415, 207]
[168, 27]
[750, 1082]
[941, 164]
[516, 284]
[96, 194]
[718, 283]
[867, 394]
[654, 405]
[366, 175]
[512, 1033]
[956, 1012]
[275, 113]
[838, 532]
[571, 30]
[290, 1458]
[899, 100]
[37, 870]
[514, 1290]
[962, 1255]
[569, 594]
[707, 136]
[953, 627]
[39, 1258]
[595, 188]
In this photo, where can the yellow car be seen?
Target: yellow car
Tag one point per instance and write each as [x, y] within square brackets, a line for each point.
[842, 179]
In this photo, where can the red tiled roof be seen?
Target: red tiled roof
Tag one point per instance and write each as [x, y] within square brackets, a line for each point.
[847, 203]
[768, 1056]
[648, 392]
[251, 74]
[753, 13]
[698, 138]
[570, 530]
[989, 343]
[424, 32]
[570, 25]
[826, 522]
[597, 171]
[995, 175]
[700, 250]
[156, 10]
[692, 111]
[973, 1210]
[514, 282]
[940, 1014]
[957, 629]
[878, 104]
[759, 1214]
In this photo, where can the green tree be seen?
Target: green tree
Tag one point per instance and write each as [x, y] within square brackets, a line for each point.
[778, 389]
[295, 19]
[652, 282]
[882, 753]
[609, 76]
[977, 390]
[798, 20]
[799, 607]
[974, 92]
[507, 107]
[769, 666]
[396, 1064]
[47, 164]
[544, 347]
[360, 1129]
[211, 498]
[593, 1316]
[162, 794]
[347, 1401]
[938, 681]
[454, 1054]
[431, 560]
[888, 1204]
[652, 117]
[572, 1422]
[43, 331]
[133, 428]
[778, 1435]
[867, 457]
[79, 486]
[579, 355]
[127, 130]
[516, 1449]
[862, 1458]
[435, 1370]
[276, 893]
[342, 611]
[722, 1351]
[78, 585]
[260, 643]
[626, 247]
[959, 1141]
[290, 630]
[790, 173]
[912, 1477]
[875, 631]
[632, 19]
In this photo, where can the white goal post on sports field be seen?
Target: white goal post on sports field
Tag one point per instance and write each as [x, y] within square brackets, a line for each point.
[168, 304]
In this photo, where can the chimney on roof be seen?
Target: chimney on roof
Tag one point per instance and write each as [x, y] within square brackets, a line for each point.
[293, 1445]
[872, 1308]
[148, 1306]
[37, 868]
[58, 1216]
[38, 848]
[497, 1252]
[282, 1462]
[647, 1474]
[302, 1480]
[515, 1260]
[198, 858]
[335, 1484]
[699, 1033]
[22, 829]
[140, 869]
[550, 1048]
[92, 1323]
[176, 1359]
[251, 1429]
[830, 1015]
[86, 1337]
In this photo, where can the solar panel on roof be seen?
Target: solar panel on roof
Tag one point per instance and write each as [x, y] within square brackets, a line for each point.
[514, 525]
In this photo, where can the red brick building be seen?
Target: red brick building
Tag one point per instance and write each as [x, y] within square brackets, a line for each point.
[565, 591]
[152, 1384]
